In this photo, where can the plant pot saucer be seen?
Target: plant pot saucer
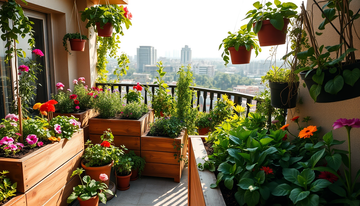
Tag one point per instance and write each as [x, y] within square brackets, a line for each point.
[112, 187]
[123, 188]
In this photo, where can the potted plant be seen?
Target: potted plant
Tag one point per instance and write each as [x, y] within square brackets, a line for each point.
[90, 191]
[123, 172]
[283, 91]
[330, 78]
[270, 24]
[99, 158]
[137, 167]
[106, 18]
[77, 41]
[204, 123]
[239, 45]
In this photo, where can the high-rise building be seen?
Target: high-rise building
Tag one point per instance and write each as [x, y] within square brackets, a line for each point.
[185, 55]
[146, 55]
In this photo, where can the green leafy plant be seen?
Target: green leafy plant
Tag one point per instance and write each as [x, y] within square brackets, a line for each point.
[134, 110]
[88, 188]
[69, 36]
[139, 162]
[123, 166]
[167, 127]
[135, 94]
[243, 37]
[108, 104]
[204, 120]
[68, 126]
[276, 15]
[7, 189]
[37, 126]
[280, 75]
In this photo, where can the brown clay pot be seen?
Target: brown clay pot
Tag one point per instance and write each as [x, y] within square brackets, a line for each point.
[77, 44]
[123, 182]
[106, 31]
[269, 35]
[94, 201]
[134, 175]
[204, 131]
[94, 172]
[242, 56]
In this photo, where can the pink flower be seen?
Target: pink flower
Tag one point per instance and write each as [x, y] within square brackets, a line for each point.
[40, 144]
[95, 96]
[69, 90]
[103, 177]
[90, 93]
[24, 68]
[81, 80]
[342, 122]
[74, 122]
[11, 147]
[60, 86]
[75, 81]
[6, 140]
[2, 126]
[12, 117]
[18, 134]
[31, 139]
[13, 124]
[127, 14]
[38, 52]
[77, 107]
[20, 145]
[57, 128]
[86, 86]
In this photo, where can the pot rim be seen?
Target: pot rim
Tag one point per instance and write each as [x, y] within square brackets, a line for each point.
[94, 168]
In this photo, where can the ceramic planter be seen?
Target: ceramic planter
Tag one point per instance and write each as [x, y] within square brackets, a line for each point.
[204, 131]
[270, 36]
[105, 31]
[94, 201]
[282, 96]
[94, 172]
[242, 56]
[77, 44]
[123, 182]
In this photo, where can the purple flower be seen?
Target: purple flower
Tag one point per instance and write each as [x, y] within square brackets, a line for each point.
[6, 140]
[20, 145]
[342, 122]
[31, 139]
[40, 144]
[38, 52]
[275, 121]
[13, 117]
[57, 128]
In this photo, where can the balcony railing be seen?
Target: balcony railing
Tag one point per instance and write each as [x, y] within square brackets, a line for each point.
[204, 98]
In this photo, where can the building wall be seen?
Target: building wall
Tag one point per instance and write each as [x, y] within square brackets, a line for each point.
[325, 114]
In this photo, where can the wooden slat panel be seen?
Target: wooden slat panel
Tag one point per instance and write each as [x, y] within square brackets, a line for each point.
[110, 1]
[44, 190]
[161, 144]
[160, 157]
[161, 170]
[137, 152]
[132, 143]
[19, 200]
[195, 193]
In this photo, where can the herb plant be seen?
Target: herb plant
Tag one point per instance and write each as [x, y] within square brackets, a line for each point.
[108, 104]
[167, 127]
[280, 75]
[7, 189]
[134, 110]
[123, 166]
[139, 162]
[69, 36]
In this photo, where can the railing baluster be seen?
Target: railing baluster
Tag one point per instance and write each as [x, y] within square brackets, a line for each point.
[172, 91]
[145, 97]
[211, 101]
[205, 98]
[198, 99]
[127, 92]
[248, 101]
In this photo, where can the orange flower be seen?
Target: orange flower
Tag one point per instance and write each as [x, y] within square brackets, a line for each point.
[44, 113]
[307, 132]
[284, 127]
[295, 118]
[54, 139]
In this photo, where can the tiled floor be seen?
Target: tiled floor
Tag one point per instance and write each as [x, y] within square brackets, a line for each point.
[153, 191]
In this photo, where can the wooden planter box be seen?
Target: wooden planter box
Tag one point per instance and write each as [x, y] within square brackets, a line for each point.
[126, 132]
[110, 1]
[31, 169]
[159, 152]
[199, 191]
[19, 200]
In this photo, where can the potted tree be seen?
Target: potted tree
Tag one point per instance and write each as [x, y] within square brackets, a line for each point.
[106, 18]
[77, 41]
[137, 167]
[90, 191]
[270, 24]
[239, 45]
[123, 172]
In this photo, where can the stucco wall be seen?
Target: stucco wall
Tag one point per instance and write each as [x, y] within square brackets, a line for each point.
[325, 114]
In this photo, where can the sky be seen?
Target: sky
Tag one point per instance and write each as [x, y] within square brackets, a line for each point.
[169, 25]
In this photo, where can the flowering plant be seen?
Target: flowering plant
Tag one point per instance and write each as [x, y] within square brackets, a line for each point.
[7, 188]
[134, 110]
[103, 153]
[167, 127]
[108, 104]
[204, 120]
[135, 94]
[90, 189]
[63, 127]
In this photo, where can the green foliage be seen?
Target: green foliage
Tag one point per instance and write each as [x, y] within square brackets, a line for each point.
[69, 36]
[265, 109]
[204, 120]
[84, 96]
[65, 104]
[123, 62]
[15, 24]
[69, 126]
[7, 189]
[243, 37]
[88, 190]
[223, 110]
[280, 75]
[167, 127]
[276, 14]
[123, 166]
[37, 126]
[139, 162]
[8, 129]
[134, 110]
[135, 94]
[108, 104]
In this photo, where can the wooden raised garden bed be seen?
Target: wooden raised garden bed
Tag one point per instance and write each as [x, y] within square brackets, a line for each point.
[19, 200]
[159, 152]
[31, 169]
[199, 191]
[126, 132]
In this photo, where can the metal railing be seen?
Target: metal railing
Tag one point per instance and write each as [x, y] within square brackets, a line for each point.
[205, 98]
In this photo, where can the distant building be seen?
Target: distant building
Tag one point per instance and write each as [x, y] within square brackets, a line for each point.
[246, 89]
[146, 55]
[185, 55]
[142, 78]
[151, 69]
[208, 70]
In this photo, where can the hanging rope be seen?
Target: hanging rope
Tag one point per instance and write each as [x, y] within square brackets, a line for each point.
[77, 18]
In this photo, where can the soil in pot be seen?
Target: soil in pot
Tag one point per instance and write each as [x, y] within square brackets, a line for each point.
[105, 31]
[77, 44]
[24, 151]
[242, 56]
[281, 96]
[204, 131]
[94, 172]
[270, 36]
[94, 201]
[123, 182]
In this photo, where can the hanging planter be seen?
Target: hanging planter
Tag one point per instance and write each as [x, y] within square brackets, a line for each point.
[282, 95]
[269, 35]
[77, 41]
[242, 56]
[105, 31]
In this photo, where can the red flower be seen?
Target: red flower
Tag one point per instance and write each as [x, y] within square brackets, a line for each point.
[295, 118]
[76, 101]
[46, 107]
[285, 137]
[267, 170]
[105, 144]
[90, 93]
[73, 96]
[328, 176]
[53, 102]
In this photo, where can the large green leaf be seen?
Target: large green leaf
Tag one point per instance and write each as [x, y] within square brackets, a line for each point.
[328, 138]
[252, 198]
[260, 177]
[277, 3]
[235, 139]
[257, 5]
[351, 77]
[312, 200]
[319, 184]
[257, 27]
[338, 190]
[290, 174]
[315, 91]
[277, 21]
[229, 182]
[235, 153]
[333, 86]
[333, 48]
[265, 192]
[319, 79]
[266, 141]
[334, 161]
[298, 194]
[225, 168]
[239, 196]
[315, 158]
[282, 190]
[245, 183]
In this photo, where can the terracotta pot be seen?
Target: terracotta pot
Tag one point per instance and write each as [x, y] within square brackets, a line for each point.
[94, 201]
[242, 56]
[203, 131]
[94, 172]
[134, 175]
[269, 35]
[123, 182]
[77, 44]
[106, 31]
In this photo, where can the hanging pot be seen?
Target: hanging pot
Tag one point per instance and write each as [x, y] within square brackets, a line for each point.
[134, 175]
[105, 31]
[280, 97]
[94, 172]
[94, 201]
[242, 56]
[269, 35]
[204, 131]
[347, 92]
[123, 182]
[77, 44]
